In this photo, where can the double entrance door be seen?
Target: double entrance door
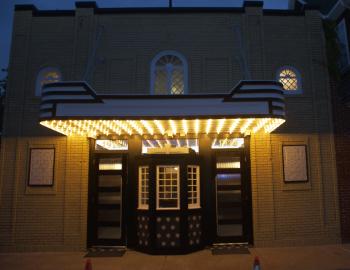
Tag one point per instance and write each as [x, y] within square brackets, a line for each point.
[175, 204]
[169, 217]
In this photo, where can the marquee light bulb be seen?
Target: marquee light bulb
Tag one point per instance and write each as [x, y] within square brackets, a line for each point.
[246, 125]
[234, 125]
[196, 126]
[147, 126]
[173, 126]
[184, 126]
[207, 129]
[96, 128]
[159, 126]
[220, 125]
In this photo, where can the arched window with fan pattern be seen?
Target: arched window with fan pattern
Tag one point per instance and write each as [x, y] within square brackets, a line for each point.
[169, 74]
[45, 76]
[291, 80]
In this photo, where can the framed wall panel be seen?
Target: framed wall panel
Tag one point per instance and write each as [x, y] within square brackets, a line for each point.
[295, 164]
[41, 167]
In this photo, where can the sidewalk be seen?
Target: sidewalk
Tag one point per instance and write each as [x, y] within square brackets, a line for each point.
[334, 257]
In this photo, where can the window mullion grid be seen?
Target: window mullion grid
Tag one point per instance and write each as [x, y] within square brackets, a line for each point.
[169, 72]
[193, 186]
[166, 191]
[143, 187]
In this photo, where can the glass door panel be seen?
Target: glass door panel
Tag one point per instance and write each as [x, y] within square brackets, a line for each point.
[229, 197]
[168, 187]
[109, 206]
[110, 164]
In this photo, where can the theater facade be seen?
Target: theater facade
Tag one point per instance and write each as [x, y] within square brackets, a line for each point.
[167, 130]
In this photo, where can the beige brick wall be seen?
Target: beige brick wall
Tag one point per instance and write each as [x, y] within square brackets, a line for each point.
[305, 213]
[56, 219]
[293, 214]
[44, 218]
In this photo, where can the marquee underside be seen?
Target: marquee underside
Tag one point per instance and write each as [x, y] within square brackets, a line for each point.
[166, 128]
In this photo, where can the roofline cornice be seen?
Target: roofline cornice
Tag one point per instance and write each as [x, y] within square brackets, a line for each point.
[97, 10]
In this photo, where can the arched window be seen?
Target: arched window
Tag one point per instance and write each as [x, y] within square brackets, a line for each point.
[291, 80]
[45, 76]
[169, 74]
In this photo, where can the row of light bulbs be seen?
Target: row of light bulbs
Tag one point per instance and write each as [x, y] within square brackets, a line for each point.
[95, 128]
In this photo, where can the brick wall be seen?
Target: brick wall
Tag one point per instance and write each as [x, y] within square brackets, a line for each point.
[44, 218]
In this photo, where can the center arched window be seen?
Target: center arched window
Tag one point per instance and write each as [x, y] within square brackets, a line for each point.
[169, 74]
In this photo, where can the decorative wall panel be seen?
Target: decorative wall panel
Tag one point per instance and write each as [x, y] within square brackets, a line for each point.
[41, 168]
[194, 229]
[143, 231]
[295, 163]
[168, 232]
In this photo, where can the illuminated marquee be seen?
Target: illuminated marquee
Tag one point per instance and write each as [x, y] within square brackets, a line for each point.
[73, 108]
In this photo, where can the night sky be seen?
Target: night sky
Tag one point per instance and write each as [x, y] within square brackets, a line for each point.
[6, 12]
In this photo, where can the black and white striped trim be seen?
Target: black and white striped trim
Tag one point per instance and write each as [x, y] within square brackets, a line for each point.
[77, 100]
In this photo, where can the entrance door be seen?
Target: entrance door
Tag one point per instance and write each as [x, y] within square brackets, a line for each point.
[232, 200]
[106, 200]
[169, 214]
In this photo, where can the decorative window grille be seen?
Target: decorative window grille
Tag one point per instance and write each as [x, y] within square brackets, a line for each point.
[290, 79]
[168, 187]
[193, 183]
[111, 145]
[143, 187]
[227, 143]
[45, 76]
[169, 144]
[169, 74]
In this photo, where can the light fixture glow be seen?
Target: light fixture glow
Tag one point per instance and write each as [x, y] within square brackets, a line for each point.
[123, 126]
[112, 144]
[246, 125]
[196, 126]
[234, 125]
[96, 128]
[260, 124]
[150, 143]
[220, 125]
[178, 143]
[147, 126]
[207, 129]
[159, 126]
[227, 143]
[159, 143]
[135, 126]
[273, 124]
[173, 126]
[184, 126]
